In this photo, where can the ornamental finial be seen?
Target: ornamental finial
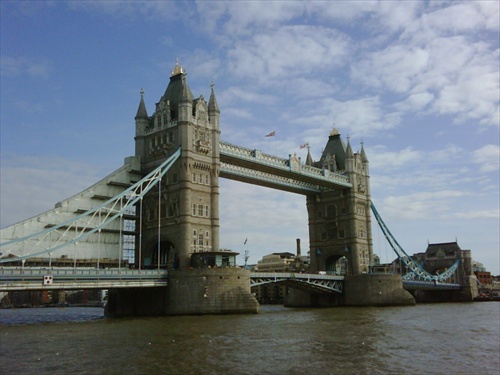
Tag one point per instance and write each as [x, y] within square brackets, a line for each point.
[334, 131]
[178, 69]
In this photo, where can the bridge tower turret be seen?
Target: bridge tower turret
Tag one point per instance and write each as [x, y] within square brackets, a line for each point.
[339, 220]
[141, 123]
[181, 216]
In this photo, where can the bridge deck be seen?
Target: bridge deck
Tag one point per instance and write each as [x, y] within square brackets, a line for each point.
[306, 281]
[14, 278]
[429, 285]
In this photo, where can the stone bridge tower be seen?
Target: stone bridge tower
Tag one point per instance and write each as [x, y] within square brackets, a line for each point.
[339, 220]
[182, 215]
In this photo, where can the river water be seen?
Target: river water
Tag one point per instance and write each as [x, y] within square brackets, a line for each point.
[458, 338]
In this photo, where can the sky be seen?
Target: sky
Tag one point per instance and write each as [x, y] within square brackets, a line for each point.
[417, 82]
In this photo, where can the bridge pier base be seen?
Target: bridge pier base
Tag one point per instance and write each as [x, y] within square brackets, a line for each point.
[189, 292]
[376, 290]
[302, 298]
[125, 302]
[467, 294]
[211, 291]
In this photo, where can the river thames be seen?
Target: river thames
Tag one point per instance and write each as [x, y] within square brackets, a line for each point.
[458, 338]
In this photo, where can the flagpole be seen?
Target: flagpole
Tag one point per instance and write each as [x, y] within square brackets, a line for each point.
[246, 253]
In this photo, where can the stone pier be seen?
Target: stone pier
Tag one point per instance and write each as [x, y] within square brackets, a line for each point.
[189, 292]
[376, 290]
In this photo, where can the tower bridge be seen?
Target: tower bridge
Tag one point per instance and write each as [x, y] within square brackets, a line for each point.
[161, 211]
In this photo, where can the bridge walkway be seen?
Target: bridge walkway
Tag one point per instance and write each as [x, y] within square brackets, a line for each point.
[255, 167]
[17, 278]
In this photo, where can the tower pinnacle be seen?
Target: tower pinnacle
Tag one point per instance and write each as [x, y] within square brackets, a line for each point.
[142, 113]
[178, 69]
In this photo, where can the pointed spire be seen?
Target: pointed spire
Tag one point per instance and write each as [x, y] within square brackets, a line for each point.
[186, 95]
[142, 113]
[309, 160]
[212, 102]
[364, 158]
[348, 151]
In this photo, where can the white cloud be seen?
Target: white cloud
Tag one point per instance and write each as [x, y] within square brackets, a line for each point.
[266, 58]
[131, 9]
[362, 117]
[396, 68]
[237, 95]
[463, 17]
[479, 214]
[382, 159]
[233, 19]
[415, 102]
[397, 15]
[434, 65]
[488, 158]
[342, 11]
[420, 205]
[12, 67]
[32, 185]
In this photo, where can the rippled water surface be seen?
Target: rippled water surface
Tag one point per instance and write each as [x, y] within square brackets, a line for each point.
[424, 339]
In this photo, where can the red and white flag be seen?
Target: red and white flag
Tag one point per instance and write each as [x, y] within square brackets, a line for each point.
[272, 134]
[304, 145]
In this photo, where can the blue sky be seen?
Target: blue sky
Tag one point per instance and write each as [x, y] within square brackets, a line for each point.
[416, 81]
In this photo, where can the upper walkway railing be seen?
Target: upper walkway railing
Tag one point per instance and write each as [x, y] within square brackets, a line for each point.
[291, 174]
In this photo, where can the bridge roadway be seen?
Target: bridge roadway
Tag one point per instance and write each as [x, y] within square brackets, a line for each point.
[64, 278]
[42, 278]
[429, 285]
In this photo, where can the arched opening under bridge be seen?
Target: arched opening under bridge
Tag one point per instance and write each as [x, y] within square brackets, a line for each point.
[163, 256]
